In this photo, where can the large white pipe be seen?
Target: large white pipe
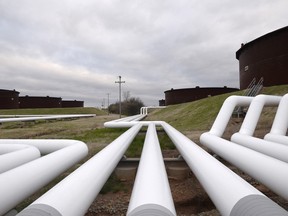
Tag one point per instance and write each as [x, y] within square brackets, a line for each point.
[228, 191]
[226, 111]
[22, 181]
[112, 124]
[73, 195]
[280, 124]
[151, 193]
[244, 137]
[272, 149]
[33, 118]
[12, 156]
[254, 111]
[271, 172]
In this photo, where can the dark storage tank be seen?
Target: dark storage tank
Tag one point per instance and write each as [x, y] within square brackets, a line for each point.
[9, 99]
[267, 57]
[177, 96]
[39, 102]
[72, 103]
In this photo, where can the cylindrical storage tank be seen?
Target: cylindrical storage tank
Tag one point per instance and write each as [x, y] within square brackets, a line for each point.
[177, 96]
[9, 99]
[72, 103]
[267, 57]
[39, 102]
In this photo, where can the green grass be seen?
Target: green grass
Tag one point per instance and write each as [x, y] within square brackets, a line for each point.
[200, 115]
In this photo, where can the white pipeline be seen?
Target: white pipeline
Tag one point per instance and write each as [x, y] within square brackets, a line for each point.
[22, 181]
[226, 112]
[270, 171]
[151, 193]
[73, 195]
[45, 117]
[244, 137]
[254, 111]
[226, 189]
[12, 156]
[280, 124]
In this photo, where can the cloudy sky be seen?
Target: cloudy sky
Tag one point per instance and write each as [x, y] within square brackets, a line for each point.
[76, 49]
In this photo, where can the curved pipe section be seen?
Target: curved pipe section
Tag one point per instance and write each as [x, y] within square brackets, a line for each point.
[254, 111]
[280, 123]
[85, 182]
[37, 173]
[272, 149]
[267, 170]
[226, 189]
[244, 137]
[151, 192]
[12, 156]
[226, 112]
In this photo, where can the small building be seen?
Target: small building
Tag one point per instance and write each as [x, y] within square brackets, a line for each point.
[9, 99]
[72, 103]
[162, 102]
[39, 102]
[264, 58]
[177, 96]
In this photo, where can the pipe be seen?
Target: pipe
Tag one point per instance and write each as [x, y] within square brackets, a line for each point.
[37, 173]
[280, 123]
[129, 124]
[267, 170]
[226, 111]
[33, 118]
[151, 193]
[254, 111]
[74, 194]
[272, 149]
[12, 156]
[244, 137]
[226, 189]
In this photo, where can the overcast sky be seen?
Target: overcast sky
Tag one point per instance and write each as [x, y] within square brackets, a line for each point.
[76, 49]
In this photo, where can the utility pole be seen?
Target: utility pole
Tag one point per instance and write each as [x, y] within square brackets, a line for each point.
[120, 82]
[108, 103]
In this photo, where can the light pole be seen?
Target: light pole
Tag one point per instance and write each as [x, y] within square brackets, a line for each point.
[108, 103]
[120, 82]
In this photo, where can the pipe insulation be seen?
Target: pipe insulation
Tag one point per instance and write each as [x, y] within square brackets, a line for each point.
[74, 194]
[272, 149]
[151, 193]
[267, 170]
[224, 187]
[46, 117]
[30, 177]
[278, 132]
[112, 124]
[254, 111]
[226, 112]
[12, 156]
[244, 136]
[280, 123]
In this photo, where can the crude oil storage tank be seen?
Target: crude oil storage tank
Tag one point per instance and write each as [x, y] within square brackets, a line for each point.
[9, 99]
[39, 102]
[267, 57]
[72, 103]
[177, 96]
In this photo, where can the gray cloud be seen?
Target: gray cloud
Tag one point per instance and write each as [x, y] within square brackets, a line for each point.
[76, 49]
